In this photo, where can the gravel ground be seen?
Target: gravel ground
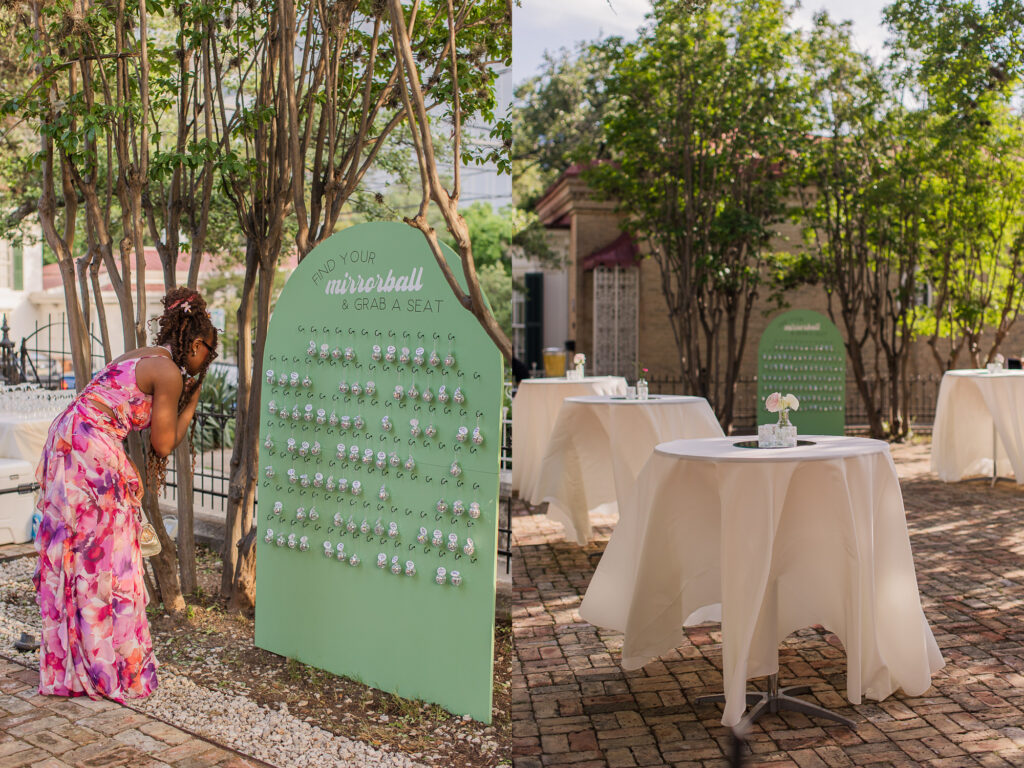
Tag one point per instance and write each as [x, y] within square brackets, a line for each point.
[265, 731]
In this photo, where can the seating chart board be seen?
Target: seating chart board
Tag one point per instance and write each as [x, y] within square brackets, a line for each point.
[378, 497]
[801, 352]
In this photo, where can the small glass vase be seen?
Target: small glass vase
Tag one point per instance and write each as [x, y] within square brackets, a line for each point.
[785, 432]
[579, 372]
[641, 389]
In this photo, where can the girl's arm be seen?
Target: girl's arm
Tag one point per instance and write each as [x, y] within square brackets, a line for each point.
[167, 426]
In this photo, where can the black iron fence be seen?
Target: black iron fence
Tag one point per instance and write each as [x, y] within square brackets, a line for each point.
[44, 356]
[924, 393]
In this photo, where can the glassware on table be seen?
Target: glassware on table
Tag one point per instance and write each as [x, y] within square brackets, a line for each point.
[554, 362]
[631, 393]
[785, 431]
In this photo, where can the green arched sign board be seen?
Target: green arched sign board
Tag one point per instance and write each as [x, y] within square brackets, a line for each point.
[801, 352]
[378, 499]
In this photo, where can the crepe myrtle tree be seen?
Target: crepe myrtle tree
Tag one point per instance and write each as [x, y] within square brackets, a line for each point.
[707, 109]
[465, 73]
[963, 63]
[864, 198]
[125, 158]
[309, 97]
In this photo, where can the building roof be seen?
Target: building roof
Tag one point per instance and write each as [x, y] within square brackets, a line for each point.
[155, 272]
[572, 171]
[621, 252]
[568, 195]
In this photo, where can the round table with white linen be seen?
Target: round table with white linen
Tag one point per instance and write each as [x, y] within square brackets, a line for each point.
[979, 425]
[598, 446]
[534, 409]
[780, 538]
[23, 438]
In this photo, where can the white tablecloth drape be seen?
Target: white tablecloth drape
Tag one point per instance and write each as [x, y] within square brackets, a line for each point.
[598, 446]
[782, 539]
[973, 403]
[23, 439]
[534, 409]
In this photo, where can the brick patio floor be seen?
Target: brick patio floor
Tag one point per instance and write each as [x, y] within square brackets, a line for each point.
[52, 732]
[574, 706]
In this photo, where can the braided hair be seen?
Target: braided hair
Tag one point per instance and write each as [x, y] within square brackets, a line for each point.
[185, 318]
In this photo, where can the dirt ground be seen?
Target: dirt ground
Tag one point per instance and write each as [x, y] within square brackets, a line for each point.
[215, 649]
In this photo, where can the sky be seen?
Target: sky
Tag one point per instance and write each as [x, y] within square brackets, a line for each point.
[540, 25]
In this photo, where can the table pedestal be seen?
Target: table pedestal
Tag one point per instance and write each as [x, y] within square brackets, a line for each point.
[995, 455]
[774, 699]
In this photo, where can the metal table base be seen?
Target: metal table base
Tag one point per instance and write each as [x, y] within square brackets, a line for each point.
[775, 699]
[995, 454]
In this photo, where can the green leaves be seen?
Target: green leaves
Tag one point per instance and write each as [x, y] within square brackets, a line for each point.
[560, 115]
[700, 121]
[701, 114]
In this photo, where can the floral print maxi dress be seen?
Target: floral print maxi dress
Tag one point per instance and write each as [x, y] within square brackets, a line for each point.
[89, 578]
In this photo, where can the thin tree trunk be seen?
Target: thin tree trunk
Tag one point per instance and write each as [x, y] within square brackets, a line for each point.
[101, 310]
[165, 564]
[186, 517]
[239, 487]
[243, 594]
[80, 358]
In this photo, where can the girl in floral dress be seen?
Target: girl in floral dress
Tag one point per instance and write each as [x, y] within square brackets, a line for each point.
[89, 578]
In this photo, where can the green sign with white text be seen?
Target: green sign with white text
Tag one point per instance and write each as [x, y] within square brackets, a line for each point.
[378, 498]
[802, 353]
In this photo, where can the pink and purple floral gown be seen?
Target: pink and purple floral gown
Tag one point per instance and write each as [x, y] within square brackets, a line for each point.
[89, 579]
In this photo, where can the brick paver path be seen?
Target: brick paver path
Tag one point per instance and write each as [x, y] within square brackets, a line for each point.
[573, 704]
[52, 732]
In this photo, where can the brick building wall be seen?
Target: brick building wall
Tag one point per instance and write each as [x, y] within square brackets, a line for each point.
[594, 226]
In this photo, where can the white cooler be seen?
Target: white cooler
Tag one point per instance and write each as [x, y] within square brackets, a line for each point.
[16, 508]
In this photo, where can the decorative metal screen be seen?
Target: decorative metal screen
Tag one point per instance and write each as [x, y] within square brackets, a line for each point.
[616, 300]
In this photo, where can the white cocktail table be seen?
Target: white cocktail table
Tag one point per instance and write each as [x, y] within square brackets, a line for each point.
[979, 425]
[534, 409]
[781, 539]
[598, 446]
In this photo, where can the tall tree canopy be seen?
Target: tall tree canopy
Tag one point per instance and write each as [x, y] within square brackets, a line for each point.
[152, 120]
[560, 116]
[706, 107]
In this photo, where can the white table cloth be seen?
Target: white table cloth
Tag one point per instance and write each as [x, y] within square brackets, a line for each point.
[598, 446]
[23, 439]
[782, 539]
[974, 406]
[534, 409]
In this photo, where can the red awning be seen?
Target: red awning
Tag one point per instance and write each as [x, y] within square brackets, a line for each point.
[620, 253]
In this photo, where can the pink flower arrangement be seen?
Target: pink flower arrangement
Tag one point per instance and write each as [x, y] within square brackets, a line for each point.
[776, 402]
